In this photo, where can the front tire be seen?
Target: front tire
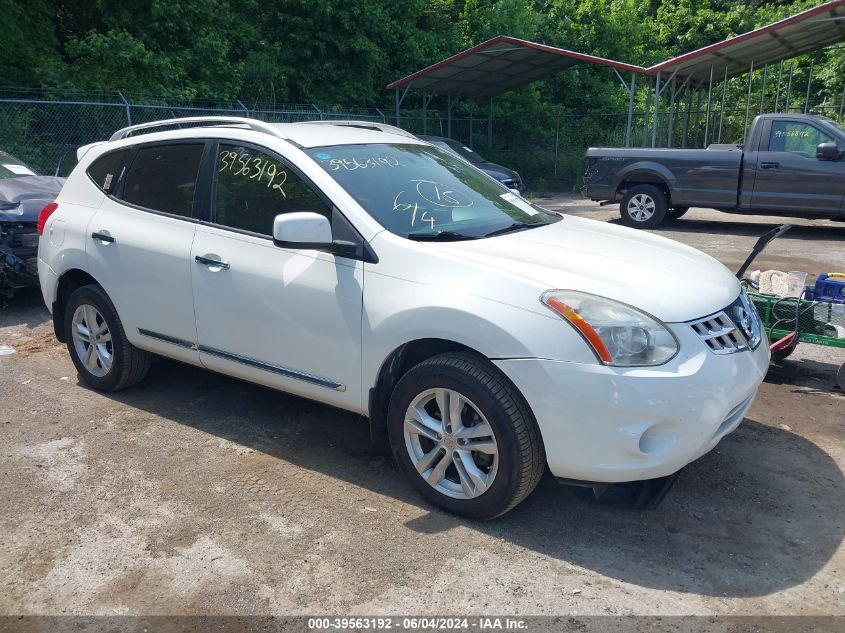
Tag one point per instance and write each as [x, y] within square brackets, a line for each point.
[643, 207]
[97, 343]
[464, 436]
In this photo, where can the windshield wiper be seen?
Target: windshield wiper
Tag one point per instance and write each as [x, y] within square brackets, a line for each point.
[440, 236]
[516, 226]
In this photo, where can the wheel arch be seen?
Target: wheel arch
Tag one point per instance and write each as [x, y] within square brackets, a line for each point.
[645, 174]
[396, 365]
[69, 281]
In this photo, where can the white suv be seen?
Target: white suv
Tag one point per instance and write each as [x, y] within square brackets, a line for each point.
[356, 265]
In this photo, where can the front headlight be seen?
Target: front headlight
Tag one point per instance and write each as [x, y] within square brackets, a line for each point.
[618, 333]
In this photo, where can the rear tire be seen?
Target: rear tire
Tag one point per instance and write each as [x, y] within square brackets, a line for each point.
[643, 207]
[97, 343]
[480, 459]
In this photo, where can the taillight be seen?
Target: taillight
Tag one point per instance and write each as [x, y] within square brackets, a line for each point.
[45, 214]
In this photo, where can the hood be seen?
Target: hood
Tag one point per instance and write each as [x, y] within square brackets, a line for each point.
[23, 197]
[667, 279]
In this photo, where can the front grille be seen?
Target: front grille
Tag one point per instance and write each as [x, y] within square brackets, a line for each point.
[720, 334]
[734, 329]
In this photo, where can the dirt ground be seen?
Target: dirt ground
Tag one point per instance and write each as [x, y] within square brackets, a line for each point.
[194, 493]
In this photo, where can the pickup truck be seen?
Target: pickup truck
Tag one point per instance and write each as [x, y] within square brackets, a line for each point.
[790, 164]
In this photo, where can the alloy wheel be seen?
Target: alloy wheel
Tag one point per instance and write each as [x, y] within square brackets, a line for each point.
[641, 207]
[451, 444]
[92, 340]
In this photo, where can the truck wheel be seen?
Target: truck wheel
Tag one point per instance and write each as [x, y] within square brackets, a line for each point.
[98, 347]
[464, 436]
[676, 212]
[643, 207]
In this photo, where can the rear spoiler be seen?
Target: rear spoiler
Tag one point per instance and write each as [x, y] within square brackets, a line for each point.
[84, 149]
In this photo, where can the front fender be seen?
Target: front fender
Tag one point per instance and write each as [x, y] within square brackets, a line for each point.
[397, 312]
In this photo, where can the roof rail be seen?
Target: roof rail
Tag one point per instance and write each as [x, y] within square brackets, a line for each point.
[368, 125]
[252, 124]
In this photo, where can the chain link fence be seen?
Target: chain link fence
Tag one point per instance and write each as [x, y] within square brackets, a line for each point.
[554, 157]
[46, 133]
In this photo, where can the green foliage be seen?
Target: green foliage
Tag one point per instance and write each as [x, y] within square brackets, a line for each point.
[346, 51]
[29, 49]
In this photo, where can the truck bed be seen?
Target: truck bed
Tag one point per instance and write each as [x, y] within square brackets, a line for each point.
[697, 177]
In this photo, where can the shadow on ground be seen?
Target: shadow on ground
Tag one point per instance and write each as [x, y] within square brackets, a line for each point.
[761, 513]
[25, 308]
[805, 372]
[750, 229]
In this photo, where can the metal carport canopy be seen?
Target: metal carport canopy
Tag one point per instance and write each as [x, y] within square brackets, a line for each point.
[801, 33]
[504, 63]
[500, 64]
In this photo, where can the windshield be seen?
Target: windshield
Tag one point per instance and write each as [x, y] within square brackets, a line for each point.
[420, 191]
[11, 167]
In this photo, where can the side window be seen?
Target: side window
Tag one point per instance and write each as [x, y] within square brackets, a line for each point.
[253, 187]
[796, 137]
[107, 170]
[164, 178]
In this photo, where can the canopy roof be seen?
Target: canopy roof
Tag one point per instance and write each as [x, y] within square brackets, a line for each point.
[505, 63]
[498, 65]
[801, 33]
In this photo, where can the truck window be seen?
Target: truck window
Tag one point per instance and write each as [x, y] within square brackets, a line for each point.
[796, 137]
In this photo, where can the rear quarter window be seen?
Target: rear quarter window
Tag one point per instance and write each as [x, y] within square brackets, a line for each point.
[164, 178]
[106, 171]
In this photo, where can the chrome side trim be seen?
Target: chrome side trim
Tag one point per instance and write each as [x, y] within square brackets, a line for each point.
[167, 339]
[276, 369]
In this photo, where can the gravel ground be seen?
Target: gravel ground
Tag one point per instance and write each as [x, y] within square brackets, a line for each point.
[194, 493]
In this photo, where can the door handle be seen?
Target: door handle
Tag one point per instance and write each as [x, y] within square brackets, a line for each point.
[769, 165]
[103, 237]
[211, 263]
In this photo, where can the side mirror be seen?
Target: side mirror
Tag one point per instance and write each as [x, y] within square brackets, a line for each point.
[827, 151]
[302, 229]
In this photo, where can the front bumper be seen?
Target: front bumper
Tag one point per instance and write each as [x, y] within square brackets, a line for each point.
[612, 424]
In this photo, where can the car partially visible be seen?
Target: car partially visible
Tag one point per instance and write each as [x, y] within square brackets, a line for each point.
[23, 193]
[508, 177]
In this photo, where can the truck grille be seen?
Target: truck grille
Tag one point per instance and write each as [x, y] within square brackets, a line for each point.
[734, 329]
